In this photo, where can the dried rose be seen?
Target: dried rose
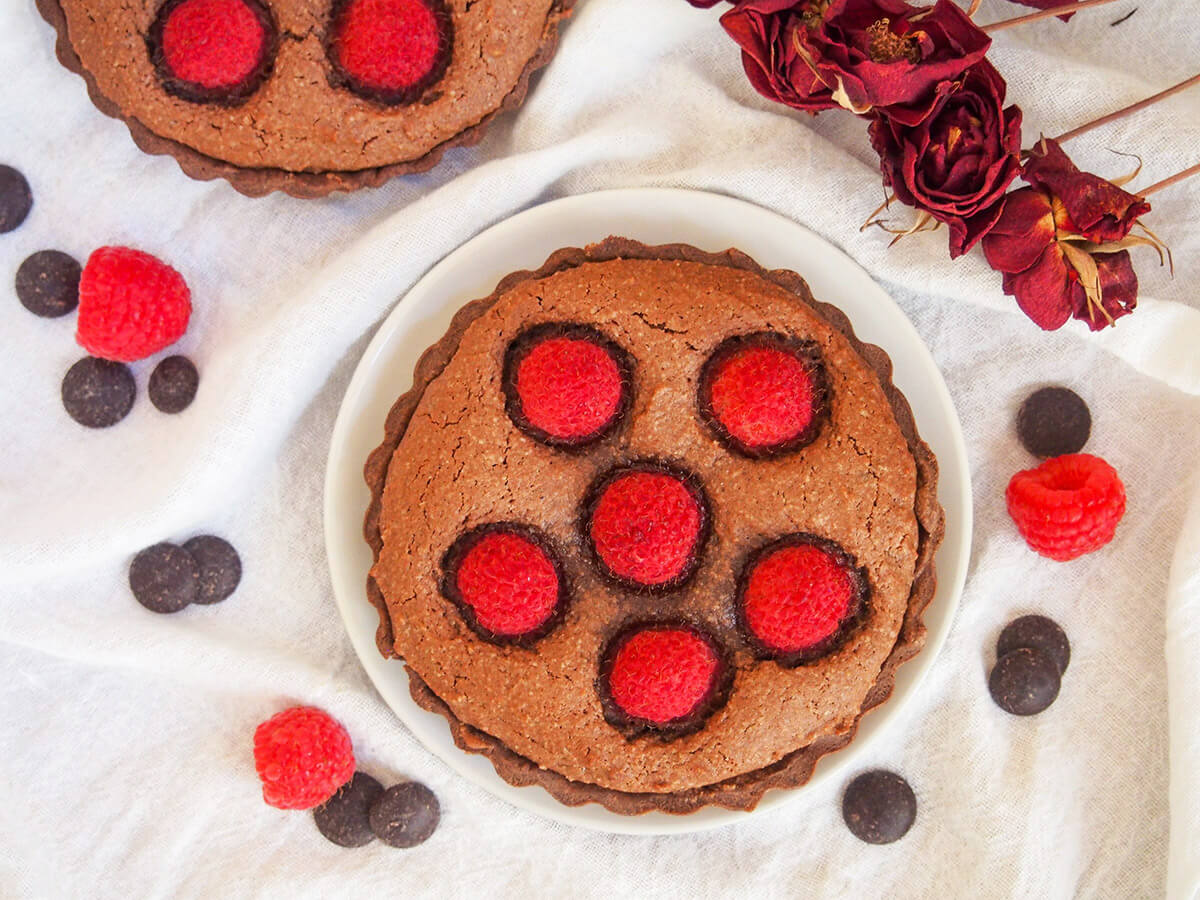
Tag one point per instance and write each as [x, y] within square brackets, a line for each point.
[766, 31]
[956, 164]
[1053, 271]
[705, 4]
[860, 54]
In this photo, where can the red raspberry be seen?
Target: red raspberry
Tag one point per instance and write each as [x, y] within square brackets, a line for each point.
[765, 392]
[797, 594]
[569, 388]
[130, 305]
[213, 43]
[509, 583]
[389, 46]
[646, 526]
[302, 756]
[662, 674]
[1067, 506]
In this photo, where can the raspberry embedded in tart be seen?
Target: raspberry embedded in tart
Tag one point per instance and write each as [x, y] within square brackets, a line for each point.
[390, 51]
[799, 598]
[647, 524]
[506, 582]
[566, 385]
[764, 393]
[662, 677]
[212, 50]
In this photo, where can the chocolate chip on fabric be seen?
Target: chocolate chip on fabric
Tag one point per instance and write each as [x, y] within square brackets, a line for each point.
[16, 199]
[219, 565]
[344, 818]
[1054, 421]
[164, 578]
[1024, 681]
[879, 807]
[98, 393]
[1039, 633]
[48, 283]
[405, 815]
[173, 384]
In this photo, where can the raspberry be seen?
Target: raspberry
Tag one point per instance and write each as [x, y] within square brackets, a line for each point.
[130, 305]
[211, 49]
[391, 50]
[504, 580]
[764, 393]
[1067, 506]
[661, 674]
[302, 756]
[799, 597]
[647, 524]
[569, 388]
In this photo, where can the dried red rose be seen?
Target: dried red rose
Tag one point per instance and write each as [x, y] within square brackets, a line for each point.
[860, 54]
[956, 164]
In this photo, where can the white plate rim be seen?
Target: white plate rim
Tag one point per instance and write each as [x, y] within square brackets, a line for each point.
[712, 222]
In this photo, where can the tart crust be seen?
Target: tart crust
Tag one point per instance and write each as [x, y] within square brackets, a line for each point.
[744, 791]
[258, 182]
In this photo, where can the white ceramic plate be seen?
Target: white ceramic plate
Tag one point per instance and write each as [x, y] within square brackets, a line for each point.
[653, 216]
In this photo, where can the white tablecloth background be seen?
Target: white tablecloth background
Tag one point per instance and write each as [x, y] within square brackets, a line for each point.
[125, 766]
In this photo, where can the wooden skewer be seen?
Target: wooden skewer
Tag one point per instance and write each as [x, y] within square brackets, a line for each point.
[1132, 108]
[1167, 182]
[1044, 14]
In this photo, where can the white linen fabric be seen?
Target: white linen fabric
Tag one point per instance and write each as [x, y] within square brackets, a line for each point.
[125, 764]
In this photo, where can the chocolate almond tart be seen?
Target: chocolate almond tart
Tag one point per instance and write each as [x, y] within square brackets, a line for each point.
[305, 96]
[652, 528]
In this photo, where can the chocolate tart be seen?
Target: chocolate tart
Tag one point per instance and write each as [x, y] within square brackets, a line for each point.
[452, 460]
[297, 123]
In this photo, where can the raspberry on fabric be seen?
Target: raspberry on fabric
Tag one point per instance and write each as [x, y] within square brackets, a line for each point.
[505, 579]
[131, 305]
[661, 674]
[302, 756]
[799, 597]
[647, 523]
[1068, 506]
[565, 384]
[764, 393]
[391, 50]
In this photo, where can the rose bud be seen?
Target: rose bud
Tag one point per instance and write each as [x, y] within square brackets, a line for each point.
[957, 163]
[861, 54]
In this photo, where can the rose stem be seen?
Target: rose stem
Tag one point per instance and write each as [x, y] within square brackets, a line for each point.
[1167, 182]
[1044, 14]
[1132, 108]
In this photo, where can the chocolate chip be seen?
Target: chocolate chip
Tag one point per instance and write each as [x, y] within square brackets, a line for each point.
[1038, 633]
[164, 578]
[344, 818]
[405, 815]
[98, 392]
[48, 283]
[219, 565]
[173, 384]
[1053, 421]
[1024, 681]
[879, 807]
[16, 199]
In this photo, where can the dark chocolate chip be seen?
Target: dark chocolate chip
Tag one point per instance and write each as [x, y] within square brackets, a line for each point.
[345, 817]
[48, 283]
[219, 565]
[1024, 681]
[1039, 633]
[405, 815]
[879, 807]
[173, 384]
[98, 392]
[16, 199]
[164, 578]
[1054, 421]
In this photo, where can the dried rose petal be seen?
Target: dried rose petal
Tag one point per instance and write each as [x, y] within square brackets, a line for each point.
[1025, 228]
[766, 31]
[1049, 291]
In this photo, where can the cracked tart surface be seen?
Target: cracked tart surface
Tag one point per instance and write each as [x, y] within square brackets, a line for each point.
[721, 692]
[305, 96]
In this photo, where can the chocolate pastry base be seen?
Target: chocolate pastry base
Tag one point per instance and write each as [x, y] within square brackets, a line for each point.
[258, 182]
[745, 790]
